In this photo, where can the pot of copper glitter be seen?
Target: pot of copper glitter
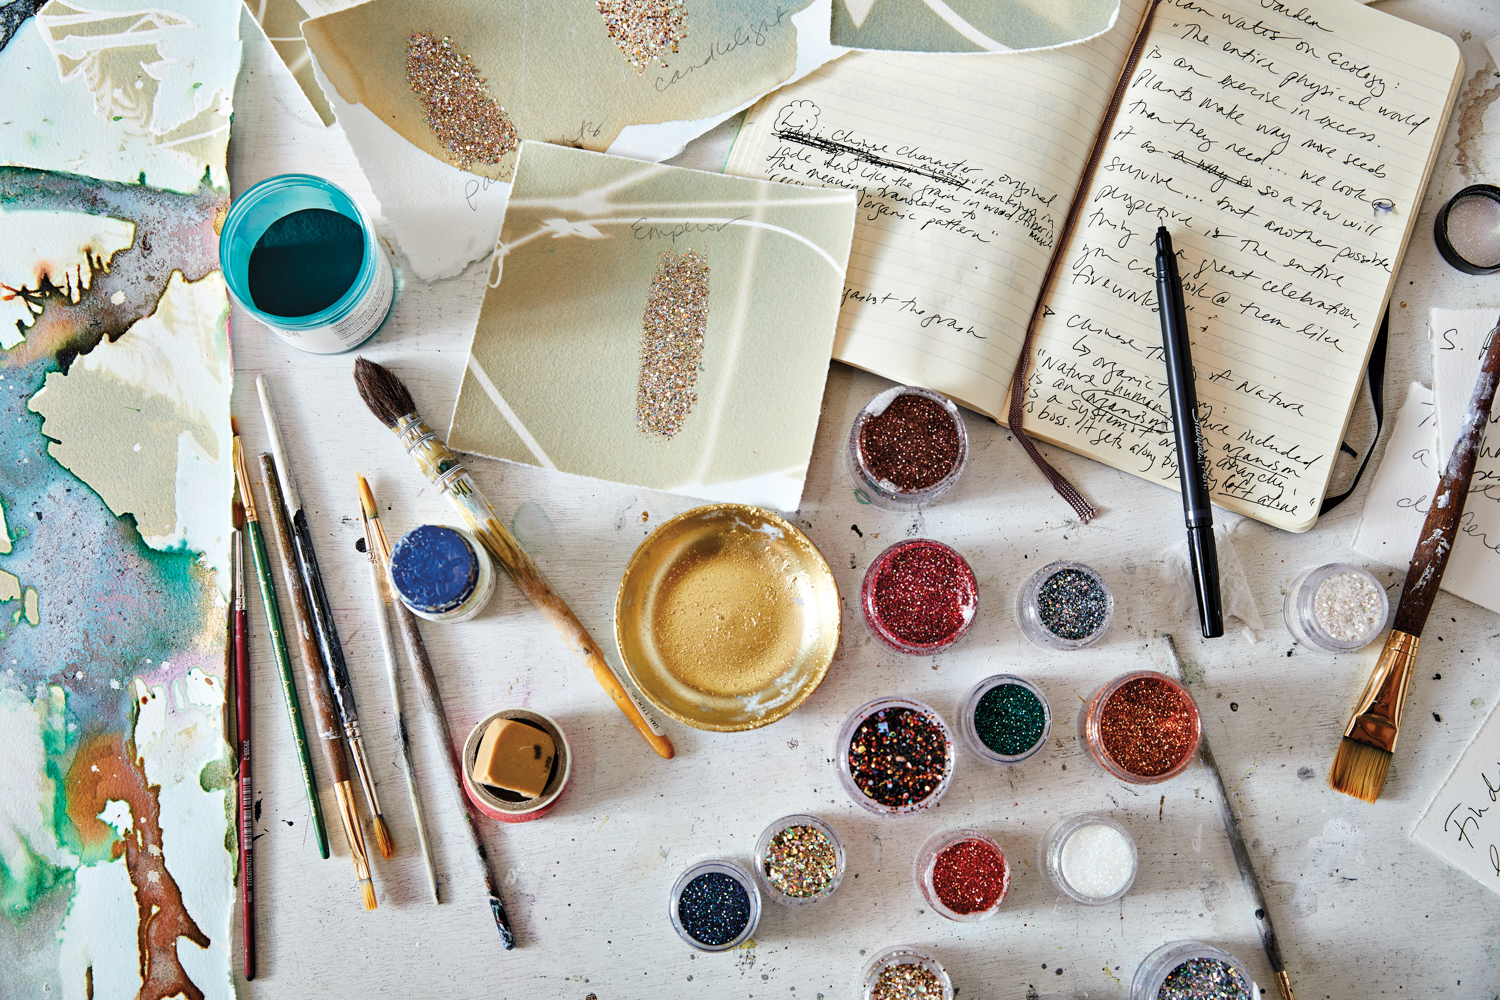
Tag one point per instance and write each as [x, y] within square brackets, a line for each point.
[906, 448]
[1142, 727]
[919, 597]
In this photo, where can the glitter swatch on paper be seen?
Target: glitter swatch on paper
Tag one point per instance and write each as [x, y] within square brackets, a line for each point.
[672, 331]
[456, 106]
[645, 30]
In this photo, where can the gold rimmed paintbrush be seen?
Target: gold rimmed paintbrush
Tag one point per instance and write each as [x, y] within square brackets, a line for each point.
[388, 399]
[1364, 755]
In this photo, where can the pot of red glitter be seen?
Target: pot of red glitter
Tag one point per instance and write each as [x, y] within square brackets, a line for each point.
[1141, 727]
[906, 448]
[895, 756]
[963, 875]
[919, 596]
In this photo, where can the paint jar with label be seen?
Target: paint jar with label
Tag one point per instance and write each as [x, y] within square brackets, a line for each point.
[895, 756]
[508, 805]
[442, 574]
[1142, 727]
[905, 971]
[301, 256]
[919, 597]
[1089, 858]
[906, 448]
[1064, 605]
[1192, 970]
[1337, 608]
[1004, 719]
[963, 875]
[799, 860]
[714, 905]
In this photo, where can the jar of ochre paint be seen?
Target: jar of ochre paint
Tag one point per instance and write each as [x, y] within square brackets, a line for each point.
[442, 574]
[301, 256]
[509, 807]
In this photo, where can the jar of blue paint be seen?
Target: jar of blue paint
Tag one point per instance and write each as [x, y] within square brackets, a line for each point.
[301, 256]
[442, 574]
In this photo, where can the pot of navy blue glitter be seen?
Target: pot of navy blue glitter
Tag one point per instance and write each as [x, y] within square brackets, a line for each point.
[714, 905]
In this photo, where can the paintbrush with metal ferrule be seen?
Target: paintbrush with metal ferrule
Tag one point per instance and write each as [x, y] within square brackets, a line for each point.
[324, 713]
[380, 587]
[329, 646]
[392, 405]
[278, 636]
[432, 700]
[1364, 754]
[245, 789]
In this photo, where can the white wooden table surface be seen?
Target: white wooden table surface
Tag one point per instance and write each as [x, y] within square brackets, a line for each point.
[1361, 911]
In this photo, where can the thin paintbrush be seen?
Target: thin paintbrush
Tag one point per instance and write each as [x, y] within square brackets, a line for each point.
[246, 796]
[329, 646]
[278, 636]
[324, 713]
[388, 399]
[1237, 845]
[1364, 755]
[379, 588]
[432, 700]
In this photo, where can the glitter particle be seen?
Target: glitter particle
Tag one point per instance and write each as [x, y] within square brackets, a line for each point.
[645, 30]
[913, 445]
[970, 876]
[1349, 607]
[1072, 604]
[1009, 719]
[1147, 727]
[907, 981]
[465, 119]
[898, 756]
[1203, 979]
[714, 908]
[672, 331]
[801, 862]
[923, 594]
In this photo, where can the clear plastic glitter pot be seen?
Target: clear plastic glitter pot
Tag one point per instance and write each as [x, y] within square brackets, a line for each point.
[1191, 970]
[1467, 230]
[714, 905]
[906, 448]
[919, 597]
[880, 731]
[799, 860]
[1004, 719]
[1142, 727]
[1337, 608]
[925, 979]
[1064, 605]
[963, 875]
[1089, 858]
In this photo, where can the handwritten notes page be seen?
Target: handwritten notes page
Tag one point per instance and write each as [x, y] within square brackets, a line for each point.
[1462, 825]
[1286, 148]
[965, 165]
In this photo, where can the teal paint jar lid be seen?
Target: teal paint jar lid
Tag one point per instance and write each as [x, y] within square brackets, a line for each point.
[290, 258]
[442, 574]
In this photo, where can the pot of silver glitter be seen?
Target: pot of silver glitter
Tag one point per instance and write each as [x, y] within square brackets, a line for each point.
[1336, 608]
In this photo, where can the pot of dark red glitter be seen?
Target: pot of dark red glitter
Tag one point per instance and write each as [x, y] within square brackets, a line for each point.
[1141, 727]
[906, 448]
[963, 875]
[919, 596]
[895, 756]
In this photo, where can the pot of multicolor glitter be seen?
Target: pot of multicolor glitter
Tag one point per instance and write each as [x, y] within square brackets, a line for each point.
[799, 860]
[895, 756]
[714, 905]
[1004, 719]
[906, 448]
[963, 875]
[1336, 608]
[1064, 605]
[1142, 727]
[919, 597]
[1191, 970]
[905, 972]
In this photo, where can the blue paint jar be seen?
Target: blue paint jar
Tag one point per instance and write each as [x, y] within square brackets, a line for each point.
[301, 256]
[442, 574]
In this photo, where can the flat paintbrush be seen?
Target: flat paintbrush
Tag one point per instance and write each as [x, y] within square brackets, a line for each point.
[432, 700]
[329, 646]
[389, 400]
[1364, 755]
[324, 713]
[381, 589]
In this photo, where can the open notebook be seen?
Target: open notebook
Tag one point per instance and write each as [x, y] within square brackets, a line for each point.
[1285, 146]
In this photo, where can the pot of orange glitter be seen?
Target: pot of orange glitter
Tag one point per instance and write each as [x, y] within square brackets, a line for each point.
[1142, 727]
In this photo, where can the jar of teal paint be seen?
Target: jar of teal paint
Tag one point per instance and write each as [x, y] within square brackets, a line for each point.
[301, 256]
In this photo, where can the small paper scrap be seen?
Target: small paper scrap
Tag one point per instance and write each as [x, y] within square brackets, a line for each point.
[1461, 825]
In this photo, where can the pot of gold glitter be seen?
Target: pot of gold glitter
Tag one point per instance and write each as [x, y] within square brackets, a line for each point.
[1142, 727]
[799, 860]
[727, 617]
[905, 971]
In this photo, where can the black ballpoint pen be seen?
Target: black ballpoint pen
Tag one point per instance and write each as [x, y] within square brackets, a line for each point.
[1183, 394]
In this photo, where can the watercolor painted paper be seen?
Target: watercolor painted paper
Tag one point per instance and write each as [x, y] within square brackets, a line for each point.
[657, 326]
[596, 75]
[968, 25]
[116, 846]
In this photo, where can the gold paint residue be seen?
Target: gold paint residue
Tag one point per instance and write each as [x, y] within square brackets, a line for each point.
[1472, 105]
[645, 30]
[465, 119]
[672, 331]
[725, 620]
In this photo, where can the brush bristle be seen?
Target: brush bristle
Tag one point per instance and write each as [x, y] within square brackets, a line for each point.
[367, 499]
[1359, 769]
[367, 889]
[383, 837]
[234, 424]
[382, 392]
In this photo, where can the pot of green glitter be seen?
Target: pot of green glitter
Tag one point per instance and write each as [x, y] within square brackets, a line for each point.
[1191, 970]
[1004, 719]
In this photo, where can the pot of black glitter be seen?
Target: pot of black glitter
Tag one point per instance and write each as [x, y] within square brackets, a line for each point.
[906, 448]
[895, 756]
[1065, 605]
[714, 905]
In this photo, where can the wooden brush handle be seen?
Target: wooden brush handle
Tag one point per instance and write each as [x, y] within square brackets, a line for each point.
[1439, 530]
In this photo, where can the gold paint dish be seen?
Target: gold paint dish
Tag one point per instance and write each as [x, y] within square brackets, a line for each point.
[727, 617]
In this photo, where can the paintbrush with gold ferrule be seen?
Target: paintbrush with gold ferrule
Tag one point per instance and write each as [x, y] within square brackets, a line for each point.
[1364, 755]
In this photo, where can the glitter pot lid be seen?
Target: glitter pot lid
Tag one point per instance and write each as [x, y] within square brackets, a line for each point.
[895, 756]
[906, 972]
[963, 875]
[919, 597]
[727, 617]
[1004, 719]
[1337, 608]
[906, 448]
[714, 905]
[1191, 970]
[1089, 858]
[1142, 727]
[799, 860]
[1064, 605]
[1467, 230]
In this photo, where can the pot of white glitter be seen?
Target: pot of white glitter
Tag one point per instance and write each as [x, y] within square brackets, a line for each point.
[1337, 608]
[1089, 858]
